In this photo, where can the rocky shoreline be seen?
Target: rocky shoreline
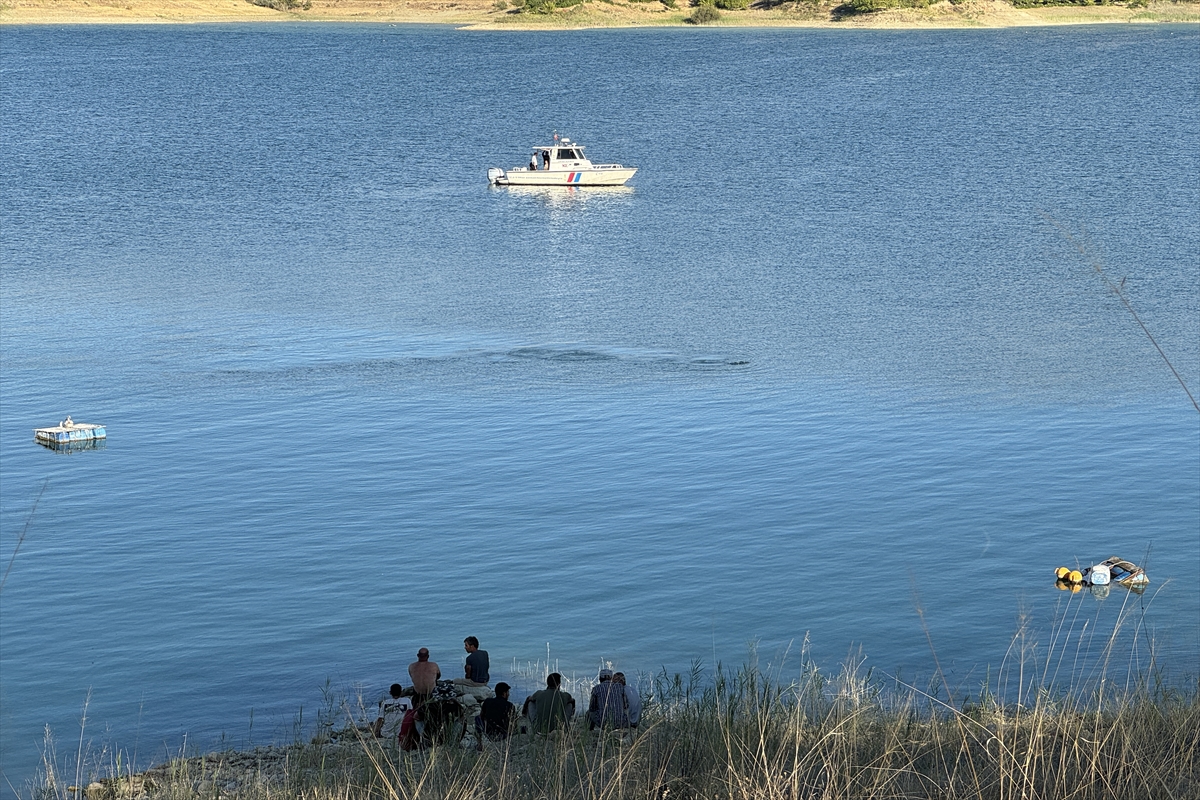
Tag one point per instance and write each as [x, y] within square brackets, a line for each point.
[222, 775]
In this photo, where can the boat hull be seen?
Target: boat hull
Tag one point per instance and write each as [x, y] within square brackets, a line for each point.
[596, 176]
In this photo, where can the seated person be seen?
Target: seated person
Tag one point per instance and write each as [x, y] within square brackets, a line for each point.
[608, 707]
[551, 708]
[425, 675]
[497, 716]
[632, 698]
[391, 713]
[476, 667]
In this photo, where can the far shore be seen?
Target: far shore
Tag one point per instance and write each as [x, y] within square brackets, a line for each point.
[500, 15]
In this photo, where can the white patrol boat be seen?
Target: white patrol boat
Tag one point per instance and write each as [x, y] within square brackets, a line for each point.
[561, 164]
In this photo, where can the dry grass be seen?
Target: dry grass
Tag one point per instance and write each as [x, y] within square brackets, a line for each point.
[751, 740]
[747, 736]
[1081, 715]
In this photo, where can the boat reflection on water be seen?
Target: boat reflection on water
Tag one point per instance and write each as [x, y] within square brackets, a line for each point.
[1098, 590]
[73, 447]
[568, 197]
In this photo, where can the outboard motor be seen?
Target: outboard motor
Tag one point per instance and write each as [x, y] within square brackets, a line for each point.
[495, 174]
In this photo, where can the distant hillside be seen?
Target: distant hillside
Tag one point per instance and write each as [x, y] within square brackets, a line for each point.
[518, 14]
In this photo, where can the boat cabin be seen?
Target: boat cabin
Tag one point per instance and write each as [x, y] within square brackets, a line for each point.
[564, 155]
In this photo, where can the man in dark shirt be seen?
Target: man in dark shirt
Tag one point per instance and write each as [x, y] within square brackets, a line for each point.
[477, 664]
[497, 716]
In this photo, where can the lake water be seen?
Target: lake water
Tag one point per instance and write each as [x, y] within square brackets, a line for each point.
[827, 364]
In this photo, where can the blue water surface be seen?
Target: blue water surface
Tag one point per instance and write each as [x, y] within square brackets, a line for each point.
[839, 372]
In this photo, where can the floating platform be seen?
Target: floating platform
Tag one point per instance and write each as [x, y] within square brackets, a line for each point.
[70, 432]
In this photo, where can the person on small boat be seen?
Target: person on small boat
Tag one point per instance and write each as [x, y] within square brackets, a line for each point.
[533, 163]
[545, 159]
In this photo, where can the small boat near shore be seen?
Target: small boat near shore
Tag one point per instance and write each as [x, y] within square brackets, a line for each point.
[1116, 570]
[561, 164]
[1099, 577]
[70, 432]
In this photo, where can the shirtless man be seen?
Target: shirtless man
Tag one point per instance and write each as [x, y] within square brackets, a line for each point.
[424, 674]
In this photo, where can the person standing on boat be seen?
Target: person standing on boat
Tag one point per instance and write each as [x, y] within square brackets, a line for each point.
[533, 163]
[545, 159]
[424, 674]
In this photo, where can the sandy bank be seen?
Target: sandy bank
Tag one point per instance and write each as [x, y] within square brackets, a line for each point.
[485, 14]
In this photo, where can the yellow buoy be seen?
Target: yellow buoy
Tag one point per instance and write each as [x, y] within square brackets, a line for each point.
[1075, 577]
[1061, 573]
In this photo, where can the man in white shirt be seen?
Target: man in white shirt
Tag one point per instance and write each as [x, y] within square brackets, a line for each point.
[391, 714]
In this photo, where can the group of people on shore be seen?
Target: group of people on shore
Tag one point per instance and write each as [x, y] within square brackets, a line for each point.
[612, 704]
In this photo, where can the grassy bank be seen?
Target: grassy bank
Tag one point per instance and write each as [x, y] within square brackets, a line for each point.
[746, 735]
[505, 14]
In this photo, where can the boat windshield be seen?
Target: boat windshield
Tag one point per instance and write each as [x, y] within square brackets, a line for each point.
[568, 154]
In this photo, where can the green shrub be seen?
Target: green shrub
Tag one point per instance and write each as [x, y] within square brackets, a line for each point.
[500, 5]
[868, 6]
[284, 5]
[538, 6]
[871, 6]
[1036, 3]
[732, 5]
[704, 14]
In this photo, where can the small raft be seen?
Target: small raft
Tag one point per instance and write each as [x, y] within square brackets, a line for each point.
[70, 432]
